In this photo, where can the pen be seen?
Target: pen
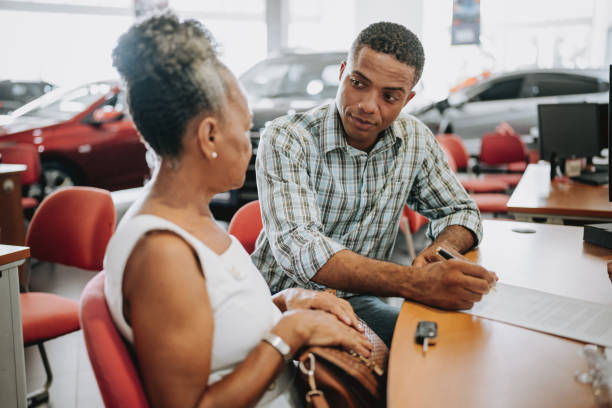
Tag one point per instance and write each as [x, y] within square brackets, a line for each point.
[447, 255]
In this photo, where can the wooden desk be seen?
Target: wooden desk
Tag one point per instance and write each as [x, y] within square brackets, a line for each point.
[12, 227]
[537, 197]
[12, 362]
[483, 363]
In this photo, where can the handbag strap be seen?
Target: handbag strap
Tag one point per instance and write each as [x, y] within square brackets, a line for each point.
[315, 397]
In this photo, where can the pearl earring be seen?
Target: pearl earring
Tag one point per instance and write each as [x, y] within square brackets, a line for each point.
[214, 155]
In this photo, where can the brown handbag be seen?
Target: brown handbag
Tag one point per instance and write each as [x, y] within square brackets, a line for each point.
[330, 376]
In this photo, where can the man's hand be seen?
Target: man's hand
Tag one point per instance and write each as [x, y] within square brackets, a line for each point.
[452, 284]
[455, 239]
[429, 255]
[296, 298]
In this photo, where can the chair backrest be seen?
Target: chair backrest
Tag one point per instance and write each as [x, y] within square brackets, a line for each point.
[23, 154]
[112, 363]
[246, 225]
[454, 144]
[72, 226]
[415, 220]
[502, 148]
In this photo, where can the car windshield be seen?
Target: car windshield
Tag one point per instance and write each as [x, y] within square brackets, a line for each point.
[63, 103]
[302, 77]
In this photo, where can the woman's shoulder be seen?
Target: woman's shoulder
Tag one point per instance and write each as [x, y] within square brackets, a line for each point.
[128, 234]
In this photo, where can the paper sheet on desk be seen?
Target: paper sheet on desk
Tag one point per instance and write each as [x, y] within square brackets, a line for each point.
[576, 319]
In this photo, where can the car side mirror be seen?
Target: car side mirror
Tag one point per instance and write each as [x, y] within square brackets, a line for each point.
[106, 115]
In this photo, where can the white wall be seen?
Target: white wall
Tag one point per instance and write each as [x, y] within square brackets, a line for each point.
[406, 12]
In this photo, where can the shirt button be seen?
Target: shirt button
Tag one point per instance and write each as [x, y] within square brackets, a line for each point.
[272, 386]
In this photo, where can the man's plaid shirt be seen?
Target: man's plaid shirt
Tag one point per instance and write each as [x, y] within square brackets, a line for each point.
[318, 195]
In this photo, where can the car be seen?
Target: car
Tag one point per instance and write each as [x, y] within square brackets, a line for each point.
[14, 94]
[84, 136]
[283, 84]
[511, 97]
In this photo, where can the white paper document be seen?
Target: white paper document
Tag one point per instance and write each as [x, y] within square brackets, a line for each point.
[572, 318]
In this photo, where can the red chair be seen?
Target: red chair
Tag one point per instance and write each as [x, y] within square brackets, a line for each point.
[246, 225]
[71, 226]
[411, 222]
[502, 153]
[24, 154]
[486, 202]
[112, 363]
[456, 148]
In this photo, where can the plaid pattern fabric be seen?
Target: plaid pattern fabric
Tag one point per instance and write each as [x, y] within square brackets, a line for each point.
[318, 195]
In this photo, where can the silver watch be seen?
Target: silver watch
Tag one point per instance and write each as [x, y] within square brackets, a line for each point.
[279, 344]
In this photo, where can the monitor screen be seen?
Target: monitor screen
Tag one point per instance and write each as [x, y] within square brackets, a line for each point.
[569, 130]
[610, 137]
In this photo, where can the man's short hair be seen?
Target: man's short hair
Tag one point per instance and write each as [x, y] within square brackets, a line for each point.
[393, 39]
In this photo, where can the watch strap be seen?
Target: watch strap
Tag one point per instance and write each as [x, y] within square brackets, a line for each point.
[279, 344]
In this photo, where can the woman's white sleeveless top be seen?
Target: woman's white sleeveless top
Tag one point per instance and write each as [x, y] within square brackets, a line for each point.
[240, 298]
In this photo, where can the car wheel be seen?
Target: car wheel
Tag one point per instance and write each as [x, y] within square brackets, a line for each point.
[54, 175]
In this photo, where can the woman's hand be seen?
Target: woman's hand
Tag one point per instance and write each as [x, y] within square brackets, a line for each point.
[296, 298]
[318, 328]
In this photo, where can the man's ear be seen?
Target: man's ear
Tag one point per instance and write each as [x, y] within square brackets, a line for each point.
[342, 66]
[410, 96]
[208, 137]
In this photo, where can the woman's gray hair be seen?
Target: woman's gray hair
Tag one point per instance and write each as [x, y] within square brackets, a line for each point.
[172, 74]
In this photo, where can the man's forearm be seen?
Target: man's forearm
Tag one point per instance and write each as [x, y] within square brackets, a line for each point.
[351, 272]
[459, 238]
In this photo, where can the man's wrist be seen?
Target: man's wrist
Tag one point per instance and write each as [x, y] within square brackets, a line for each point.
[407, 288]
[456, 237]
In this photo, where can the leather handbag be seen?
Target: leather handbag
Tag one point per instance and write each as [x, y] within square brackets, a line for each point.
[331, 376]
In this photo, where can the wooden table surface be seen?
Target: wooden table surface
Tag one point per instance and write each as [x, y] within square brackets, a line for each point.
[536, 194]
[11, 253]
[483, 363]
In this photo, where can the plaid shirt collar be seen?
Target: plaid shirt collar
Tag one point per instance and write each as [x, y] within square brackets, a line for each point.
[333, 136]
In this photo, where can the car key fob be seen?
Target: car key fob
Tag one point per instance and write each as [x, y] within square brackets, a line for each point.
[426, 333]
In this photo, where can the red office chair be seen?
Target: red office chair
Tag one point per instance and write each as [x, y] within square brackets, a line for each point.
[486, 202]
[500, 152]
[24, 154]
[246, 225]
[112, 363]
[71, 226]
[411, 222]
[456, 148]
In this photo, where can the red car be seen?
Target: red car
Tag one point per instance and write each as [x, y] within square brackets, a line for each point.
[84, 136]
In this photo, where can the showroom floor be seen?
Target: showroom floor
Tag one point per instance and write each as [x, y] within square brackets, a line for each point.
[74, 384]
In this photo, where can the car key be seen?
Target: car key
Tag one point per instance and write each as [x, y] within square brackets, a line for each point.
[426, 333]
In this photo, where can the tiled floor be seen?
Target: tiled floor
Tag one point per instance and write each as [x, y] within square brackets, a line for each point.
[74, 384]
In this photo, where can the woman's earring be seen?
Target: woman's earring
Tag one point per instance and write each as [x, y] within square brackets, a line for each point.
[214, 155]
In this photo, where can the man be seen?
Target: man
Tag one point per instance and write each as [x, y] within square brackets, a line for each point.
[333, 181]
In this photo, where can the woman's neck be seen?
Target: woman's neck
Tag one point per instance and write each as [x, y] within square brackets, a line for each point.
[175, 189]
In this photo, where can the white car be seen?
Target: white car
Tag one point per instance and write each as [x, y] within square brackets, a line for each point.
[512, 97]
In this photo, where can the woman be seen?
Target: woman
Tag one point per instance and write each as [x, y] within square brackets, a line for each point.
[204, 328]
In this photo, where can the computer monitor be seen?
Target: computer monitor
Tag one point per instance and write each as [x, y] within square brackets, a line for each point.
[569, 130]
[610, 136]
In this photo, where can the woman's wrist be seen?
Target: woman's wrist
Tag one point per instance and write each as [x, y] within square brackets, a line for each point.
[293, 329]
